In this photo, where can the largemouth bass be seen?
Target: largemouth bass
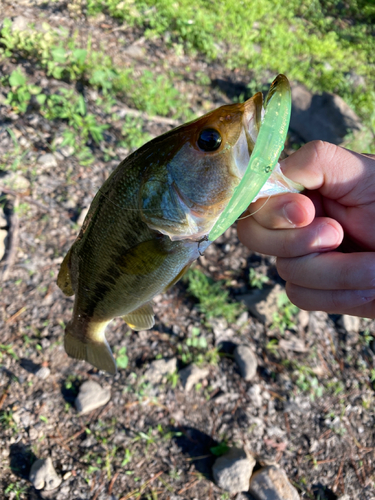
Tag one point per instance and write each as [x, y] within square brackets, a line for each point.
[149, 222]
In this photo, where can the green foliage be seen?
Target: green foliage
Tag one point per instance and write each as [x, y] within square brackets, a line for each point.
[7, 349]
[220, 449]
[195, 350]
[122, 359]
[257, 280]
[321, 43]
[132, 131]
[285, 317]
[61, 56]
[16, 491]
[213, 299]
[308, 382]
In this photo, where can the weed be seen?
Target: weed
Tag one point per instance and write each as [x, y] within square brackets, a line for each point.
[7, 349]
[195, 349]
[16, 490]
[257, 280]
[122, 359]
[285, 317]
[132, 132]
[308, 382]
[213, 299]
[127, 458]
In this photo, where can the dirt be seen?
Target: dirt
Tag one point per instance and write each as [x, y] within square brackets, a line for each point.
[314, 414]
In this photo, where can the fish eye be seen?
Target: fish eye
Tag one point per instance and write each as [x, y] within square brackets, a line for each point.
[209, 139]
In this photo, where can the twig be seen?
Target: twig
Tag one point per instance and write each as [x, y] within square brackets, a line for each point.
[143, 487]
[112, 482]
[15, 315]
[4, 396]
[28, 199]
[337, 480]
[147, 117]
[13, 242]
[356, 471]
[188, 486]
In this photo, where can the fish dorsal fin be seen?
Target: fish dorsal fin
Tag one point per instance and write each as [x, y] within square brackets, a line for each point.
[64, 281]
[142, 318]
[94, 349]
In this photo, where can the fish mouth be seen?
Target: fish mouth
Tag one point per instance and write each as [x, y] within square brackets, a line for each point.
[252, 118]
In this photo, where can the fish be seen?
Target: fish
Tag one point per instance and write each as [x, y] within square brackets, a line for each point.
[149, 222]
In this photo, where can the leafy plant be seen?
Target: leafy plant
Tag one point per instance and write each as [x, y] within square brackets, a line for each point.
[122, 359]
[213, 299]
[257, 280]
[285, 317]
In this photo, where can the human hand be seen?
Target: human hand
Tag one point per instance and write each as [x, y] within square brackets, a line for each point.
[305, 231]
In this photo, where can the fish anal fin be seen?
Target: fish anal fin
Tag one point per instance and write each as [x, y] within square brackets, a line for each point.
[95, 351]
[64, 280]
[142, 318]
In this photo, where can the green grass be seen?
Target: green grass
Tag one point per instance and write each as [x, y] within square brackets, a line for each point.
[321, 43]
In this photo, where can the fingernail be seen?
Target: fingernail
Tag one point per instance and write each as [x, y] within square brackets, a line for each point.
[292, 213]
[327, 236]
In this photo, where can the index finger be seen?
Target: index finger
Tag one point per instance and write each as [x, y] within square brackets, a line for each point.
[339, 174]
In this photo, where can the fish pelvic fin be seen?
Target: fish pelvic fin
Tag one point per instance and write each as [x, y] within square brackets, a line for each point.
[142, 318]
[64, 281]
[92, 348]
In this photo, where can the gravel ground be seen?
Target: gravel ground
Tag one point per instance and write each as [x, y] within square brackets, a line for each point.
[309, 408]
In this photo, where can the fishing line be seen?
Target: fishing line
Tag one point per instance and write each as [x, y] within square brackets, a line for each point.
[256, 211]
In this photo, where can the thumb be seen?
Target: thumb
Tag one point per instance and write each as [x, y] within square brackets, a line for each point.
[338, 174]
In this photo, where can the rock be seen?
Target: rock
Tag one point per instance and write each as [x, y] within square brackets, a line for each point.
[43, 372]
[20, 23]
[47, 161]
[294, 344]
[135, 51]
[43, 475]
[3, 236]
[263, 303]
[255, 395]
[246, 361]
[91, 396]
[271, 483]
[159, 369]
[3, 220]
[232, 471]
[351, 323]
[14, 181]
[191, 375]
[326, 117]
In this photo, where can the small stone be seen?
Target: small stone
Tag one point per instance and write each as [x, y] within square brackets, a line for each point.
[3, 220]
[191, 375]
[255, 395]
[43, 372]
[15, 181]
[159, 369]
[91, 396]
[271, 483]
[232, 471]
[351, 323]
[246, 361]
[263, 303]
[43, 475]
[20, 23]
[3, 236]
[294, 344]
[47, 161]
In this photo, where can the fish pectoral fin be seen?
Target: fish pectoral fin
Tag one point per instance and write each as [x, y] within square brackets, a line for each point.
[64, 281]
[95, 351]
[142, 318]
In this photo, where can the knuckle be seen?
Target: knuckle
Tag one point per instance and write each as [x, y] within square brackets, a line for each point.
[285, 268]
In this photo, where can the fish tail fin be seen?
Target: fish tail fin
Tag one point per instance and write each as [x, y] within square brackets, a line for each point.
[93, 347]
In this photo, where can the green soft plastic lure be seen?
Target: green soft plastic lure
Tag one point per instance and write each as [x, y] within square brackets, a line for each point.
[267, 150]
